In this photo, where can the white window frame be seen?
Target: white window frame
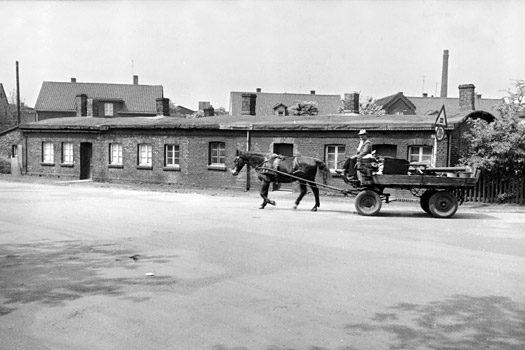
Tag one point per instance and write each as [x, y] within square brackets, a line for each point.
[145, 154]
[48, 152]
[418, 152]
[335, 158]
[172, 155]
[217, 153]
[108, 109]
[67, 152]
[115, 154]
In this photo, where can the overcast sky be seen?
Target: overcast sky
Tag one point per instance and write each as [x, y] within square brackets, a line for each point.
[203, 50]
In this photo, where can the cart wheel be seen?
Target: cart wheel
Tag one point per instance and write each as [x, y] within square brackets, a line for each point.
[424, 199]
[443, 204]
[367, 203]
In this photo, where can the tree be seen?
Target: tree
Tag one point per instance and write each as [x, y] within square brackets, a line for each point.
[367, 106]
[499, 146]
[305, 108]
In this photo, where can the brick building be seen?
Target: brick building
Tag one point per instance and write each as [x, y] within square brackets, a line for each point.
[198, 152]
[70, 99]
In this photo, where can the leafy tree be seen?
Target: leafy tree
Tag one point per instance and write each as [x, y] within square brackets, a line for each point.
[499, 147]
[367, 106]
[305, 108]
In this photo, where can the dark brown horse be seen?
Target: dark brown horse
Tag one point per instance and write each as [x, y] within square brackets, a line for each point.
[304, 168]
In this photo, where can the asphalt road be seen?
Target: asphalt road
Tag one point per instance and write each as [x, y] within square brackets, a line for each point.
[212, 271]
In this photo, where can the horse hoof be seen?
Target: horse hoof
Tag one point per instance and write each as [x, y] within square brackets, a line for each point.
[272, 202]
[261, 207]
[314, 209]
[295, 207]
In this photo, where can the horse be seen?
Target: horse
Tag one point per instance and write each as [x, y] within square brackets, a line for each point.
[301, 167]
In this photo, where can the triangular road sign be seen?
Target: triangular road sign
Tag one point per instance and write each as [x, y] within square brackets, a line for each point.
[441, 119]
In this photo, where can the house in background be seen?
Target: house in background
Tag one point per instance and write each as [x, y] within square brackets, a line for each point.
[401, 104]
[5, 117]
[72, 99]
[264, 103]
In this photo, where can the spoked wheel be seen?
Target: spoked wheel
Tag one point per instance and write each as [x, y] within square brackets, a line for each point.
[443, 204]
[424, 199]
[367, 203]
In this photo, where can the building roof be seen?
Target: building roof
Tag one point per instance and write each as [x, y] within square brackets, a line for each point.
[266, 101]
[387, 101]
[60, 96]
[343, 122]
[428, 105]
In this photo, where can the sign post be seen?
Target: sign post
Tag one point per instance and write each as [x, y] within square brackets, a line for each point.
[441, 124]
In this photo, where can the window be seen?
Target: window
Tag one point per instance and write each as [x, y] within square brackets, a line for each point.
[108, 109]
[335, 156]
[48, 153]
[67, 152]
[217, 153]
[420, 154]
[145, 155]
[171, 155]
[115, 154]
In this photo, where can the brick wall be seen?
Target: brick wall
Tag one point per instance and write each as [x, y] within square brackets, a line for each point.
[194, 152]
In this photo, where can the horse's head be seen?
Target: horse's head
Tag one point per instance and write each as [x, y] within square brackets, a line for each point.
[238, 164]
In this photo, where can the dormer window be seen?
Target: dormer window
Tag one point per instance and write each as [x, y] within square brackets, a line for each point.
[108, 109]
[280, 109]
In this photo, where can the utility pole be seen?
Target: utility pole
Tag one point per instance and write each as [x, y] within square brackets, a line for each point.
[18, 93]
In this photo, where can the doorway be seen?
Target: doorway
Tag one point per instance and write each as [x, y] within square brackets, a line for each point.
[86, 154]
[284, 149]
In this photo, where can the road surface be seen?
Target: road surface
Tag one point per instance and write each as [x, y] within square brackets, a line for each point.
[212, 271]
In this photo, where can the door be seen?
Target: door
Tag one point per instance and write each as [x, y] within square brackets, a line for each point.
[86, 153]
[385, 150]
[284, 149]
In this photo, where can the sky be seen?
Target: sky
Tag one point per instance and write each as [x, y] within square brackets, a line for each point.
[201, 50]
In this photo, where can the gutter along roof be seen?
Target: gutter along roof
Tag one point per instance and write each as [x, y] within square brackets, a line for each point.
[306, 123]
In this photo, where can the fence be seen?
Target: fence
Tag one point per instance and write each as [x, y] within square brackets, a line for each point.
[494, 188]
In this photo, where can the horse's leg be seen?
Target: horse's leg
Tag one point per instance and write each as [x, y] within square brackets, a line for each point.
[302, 185]
[264, 194]
[315, 190]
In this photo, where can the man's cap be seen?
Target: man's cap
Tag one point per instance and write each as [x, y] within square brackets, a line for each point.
[362, 132]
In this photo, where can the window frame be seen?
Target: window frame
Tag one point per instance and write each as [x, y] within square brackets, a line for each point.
[421, 154]
[172, 161]
[217, 161]
[145, 155]
[109, 109]
[67, 156]
[119, 162]
[48, 153]
[337, 154]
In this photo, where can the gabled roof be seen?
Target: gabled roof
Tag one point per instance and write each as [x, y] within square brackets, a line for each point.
[266, 101]
[428, 105]
[59, 96]
[388, 101]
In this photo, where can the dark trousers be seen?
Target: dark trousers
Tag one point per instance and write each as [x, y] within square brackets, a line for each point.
[349, 167]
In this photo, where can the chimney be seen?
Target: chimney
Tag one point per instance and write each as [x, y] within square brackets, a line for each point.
[204, 105]
[81, 105]
[163, 106]
[135, 80]
[467, 97]
[312, 92]
[258, 90]
[351, 103]
[425, 94]
[444, 75]
[73, 80]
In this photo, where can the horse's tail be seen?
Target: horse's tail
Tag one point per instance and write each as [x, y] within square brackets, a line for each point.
[325, 172]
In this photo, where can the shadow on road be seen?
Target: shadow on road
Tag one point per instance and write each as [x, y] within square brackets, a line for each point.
[460, 322]
[51, 274]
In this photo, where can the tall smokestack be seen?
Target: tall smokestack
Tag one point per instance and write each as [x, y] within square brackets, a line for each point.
[444, 74]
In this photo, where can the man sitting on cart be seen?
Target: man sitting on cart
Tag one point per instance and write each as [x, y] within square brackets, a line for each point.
[364, 148]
